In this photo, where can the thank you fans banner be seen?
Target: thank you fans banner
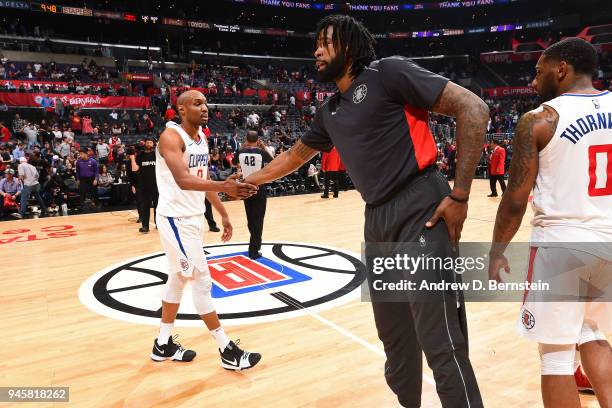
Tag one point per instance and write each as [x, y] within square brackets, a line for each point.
[83, 101]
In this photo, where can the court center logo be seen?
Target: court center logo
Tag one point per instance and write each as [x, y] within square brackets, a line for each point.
[289, 280]
[360, 93]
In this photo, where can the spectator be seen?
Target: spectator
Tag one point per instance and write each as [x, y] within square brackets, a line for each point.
[330, 165]
[18, 125]
[57, 133]
[102, 151]
[497, 168]
[60, 109]
[87, 175]
[65, 147]
[10, 189]
[68, 133]
[5, 158]
[114, 116]
[233, 143]
[56, 192]
[170, 114]
[29, 177]
[114, 140]
[87, 125]
[214, 142]
[76, 124]
[5, 133]
[18, 153]
[105, 181]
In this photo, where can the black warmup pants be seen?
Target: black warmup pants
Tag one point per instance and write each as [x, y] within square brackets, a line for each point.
[255, 207]
[148, 199]
[331, 176]
[493, 183]
[436, 327]
[209, 215]
[86, 188]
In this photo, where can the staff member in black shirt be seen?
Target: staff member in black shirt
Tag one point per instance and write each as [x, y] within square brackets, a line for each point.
[144, 166]
[252, 156]
[378, 121]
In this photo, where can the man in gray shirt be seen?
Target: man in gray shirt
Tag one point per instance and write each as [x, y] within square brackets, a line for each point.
[102, 150]
[31, 132]
[29, 176]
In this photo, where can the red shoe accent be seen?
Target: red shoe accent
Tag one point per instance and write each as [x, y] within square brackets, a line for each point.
[582, 382]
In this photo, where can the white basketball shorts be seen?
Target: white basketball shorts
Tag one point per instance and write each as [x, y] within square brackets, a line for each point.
[570, 272]
[181, 238]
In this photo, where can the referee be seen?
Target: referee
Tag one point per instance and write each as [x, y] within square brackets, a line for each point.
[144, 166]
[252, 156]
[378, 121]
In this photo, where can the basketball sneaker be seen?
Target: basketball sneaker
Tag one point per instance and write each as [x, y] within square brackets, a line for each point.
[235, 359]
[171, 351]
[582, 382]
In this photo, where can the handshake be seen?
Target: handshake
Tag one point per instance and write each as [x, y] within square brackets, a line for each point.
[236, 188]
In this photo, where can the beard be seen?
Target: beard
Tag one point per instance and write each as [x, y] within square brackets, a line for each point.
[548, 89]
[334, 70]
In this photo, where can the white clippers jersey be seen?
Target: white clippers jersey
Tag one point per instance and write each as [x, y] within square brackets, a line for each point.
[572, 197]
[174, 202]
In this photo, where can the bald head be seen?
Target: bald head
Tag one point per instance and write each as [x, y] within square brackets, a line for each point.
[192, 108]
[251, 136]
[187, 97]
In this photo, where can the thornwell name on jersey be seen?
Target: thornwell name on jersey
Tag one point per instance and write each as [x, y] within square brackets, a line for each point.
[587, 124]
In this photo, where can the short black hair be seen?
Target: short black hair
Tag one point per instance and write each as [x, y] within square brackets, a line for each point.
[576, 52]
[351, 38]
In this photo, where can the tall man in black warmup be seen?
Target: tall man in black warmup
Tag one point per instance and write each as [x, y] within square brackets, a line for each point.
[378, 121]
[252, 156]
[144, 166]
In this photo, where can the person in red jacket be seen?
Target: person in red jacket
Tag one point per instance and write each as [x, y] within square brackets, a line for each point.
[5, 133]
[497, 168]
[170, 113]
[330, 164]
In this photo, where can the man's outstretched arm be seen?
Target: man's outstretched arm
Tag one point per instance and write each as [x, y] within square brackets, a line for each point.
[283, 164]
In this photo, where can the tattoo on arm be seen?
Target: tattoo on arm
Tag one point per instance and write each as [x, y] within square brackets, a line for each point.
[533, 131]
[522, 152]
[525, 146]
[472, 115]
[302, 152]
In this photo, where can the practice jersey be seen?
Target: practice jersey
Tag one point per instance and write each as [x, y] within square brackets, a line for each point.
[572, 197]
[251, 159]
[173, 201]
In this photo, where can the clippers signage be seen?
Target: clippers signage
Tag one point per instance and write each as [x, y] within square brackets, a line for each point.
[290, 280]
[505, 91]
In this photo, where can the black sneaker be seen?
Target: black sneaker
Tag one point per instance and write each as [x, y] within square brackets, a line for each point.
[144, 230]
[214, 229]
[235, 359]
[256, 255]
[171, 351]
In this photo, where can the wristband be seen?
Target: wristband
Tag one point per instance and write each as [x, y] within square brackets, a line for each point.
[458, 200]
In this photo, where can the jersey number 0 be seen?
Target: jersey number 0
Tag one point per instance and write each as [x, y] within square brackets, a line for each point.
[600, 170]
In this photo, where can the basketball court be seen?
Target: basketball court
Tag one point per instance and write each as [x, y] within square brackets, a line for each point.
[79, 297]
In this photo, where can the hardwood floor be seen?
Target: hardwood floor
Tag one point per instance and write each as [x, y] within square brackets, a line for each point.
[331, 358]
